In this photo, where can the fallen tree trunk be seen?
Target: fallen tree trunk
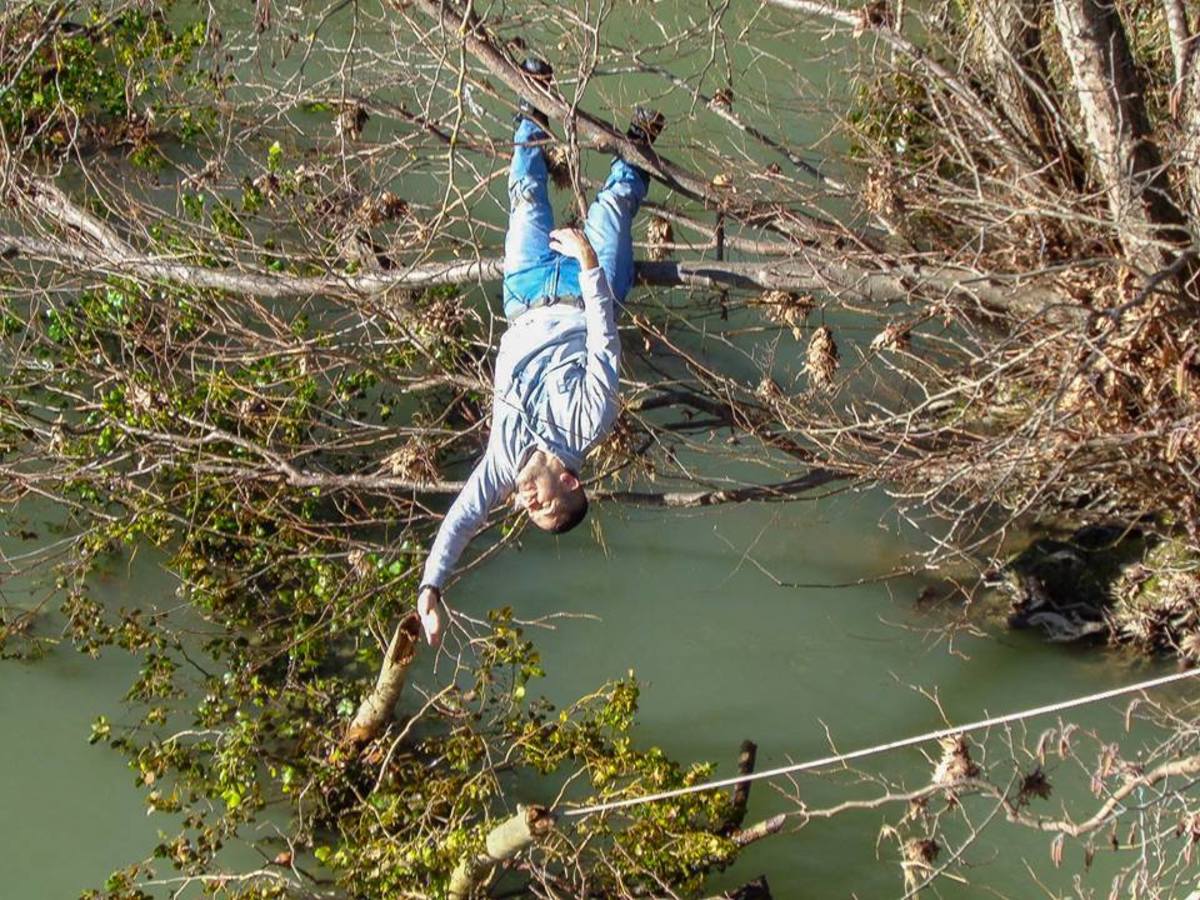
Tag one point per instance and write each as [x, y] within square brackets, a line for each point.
[93, 247]
[1126, 160]
[377, 708]
[503, 843]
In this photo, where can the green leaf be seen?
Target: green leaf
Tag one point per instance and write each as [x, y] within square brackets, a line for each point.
[101, 729]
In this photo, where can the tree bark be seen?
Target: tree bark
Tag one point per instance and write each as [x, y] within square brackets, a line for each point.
[1190, 150]
[377, 708]
[1175, 12]
[692, 499]
[503, 843]
[1126, 161]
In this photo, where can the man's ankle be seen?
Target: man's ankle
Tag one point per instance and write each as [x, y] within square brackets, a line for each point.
[529, 129]
[542, 72]
[645, 125]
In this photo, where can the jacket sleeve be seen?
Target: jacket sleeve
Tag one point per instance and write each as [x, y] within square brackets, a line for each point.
[598, 406]
[465, 517]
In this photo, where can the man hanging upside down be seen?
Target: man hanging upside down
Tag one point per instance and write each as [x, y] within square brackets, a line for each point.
[555, 392]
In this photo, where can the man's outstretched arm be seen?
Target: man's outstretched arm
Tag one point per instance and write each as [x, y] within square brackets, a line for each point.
[464, 518]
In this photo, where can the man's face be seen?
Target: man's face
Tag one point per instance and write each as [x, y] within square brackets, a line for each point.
[541, 491]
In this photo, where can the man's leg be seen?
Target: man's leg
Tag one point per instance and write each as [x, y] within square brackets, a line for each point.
[609, 225]
[530, 219]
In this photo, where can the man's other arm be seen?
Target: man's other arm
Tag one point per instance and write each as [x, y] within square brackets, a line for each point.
[465, 517]
[601, 381]
[463, 520]
[598, 403]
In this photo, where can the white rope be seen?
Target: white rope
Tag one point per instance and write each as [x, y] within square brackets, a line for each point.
[881, 748]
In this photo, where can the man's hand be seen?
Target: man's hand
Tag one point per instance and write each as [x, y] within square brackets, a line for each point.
[574, 243]
[431, 615]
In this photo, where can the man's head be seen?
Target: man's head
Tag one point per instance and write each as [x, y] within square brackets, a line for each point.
[550, 493]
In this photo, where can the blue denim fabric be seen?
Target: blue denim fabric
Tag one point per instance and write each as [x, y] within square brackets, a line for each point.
[532, 271]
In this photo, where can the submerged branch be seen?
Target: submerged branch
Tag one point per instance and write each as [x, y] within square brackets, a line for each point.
[784, 490]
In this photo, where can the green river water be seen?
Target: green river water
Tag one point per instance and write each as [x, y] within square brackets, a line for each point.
[723, 655]
[678, 597]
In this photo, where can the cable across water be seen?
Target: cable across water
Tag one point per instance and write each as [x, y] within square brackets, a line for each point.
[882, 748]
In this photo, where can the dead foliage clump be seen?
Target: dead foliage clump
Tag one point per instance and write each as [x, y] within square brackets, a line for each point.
[821, 360]
[1034, 784]
[622, 453]
[919, 857]
[895, 336]
[955, 764]
[415, 460]
[441, 314]
[787, 308]
[558, 164]
[659, 235]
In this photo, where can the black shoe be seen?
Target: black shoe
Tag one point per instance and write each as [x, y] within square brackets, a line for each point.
[543, 72]
[646, 125]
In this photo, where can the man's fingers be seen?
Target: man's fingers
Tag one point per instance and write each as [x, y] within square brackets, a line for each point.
[433, 636]
[567, 241]
[432, 626]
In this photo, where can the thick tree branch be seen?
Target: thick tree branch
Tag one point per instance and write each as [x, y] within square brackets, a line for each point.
[1175, 12]
[814, 271]
[741, 791]
[759, 830]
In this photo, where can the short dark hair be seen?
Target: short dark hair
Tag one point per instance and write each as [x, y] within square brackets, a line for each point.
[576, 511]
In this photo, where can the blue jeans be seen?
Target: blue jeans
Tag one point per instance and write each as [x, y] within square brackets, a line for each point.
[532, 271]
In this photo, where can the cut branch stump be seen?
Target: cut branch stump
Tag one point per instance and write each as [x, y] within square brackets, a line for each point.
[759, 830]
[376, 711]
[503, 843]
